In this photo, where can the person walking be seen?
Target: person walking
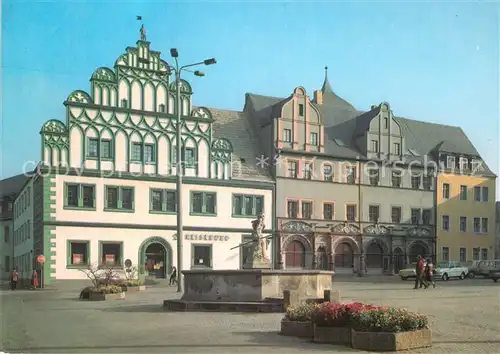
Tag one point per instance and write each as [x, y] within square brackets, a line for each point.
[420, 270]
[173, 277]
[14, 277]
[429, 273]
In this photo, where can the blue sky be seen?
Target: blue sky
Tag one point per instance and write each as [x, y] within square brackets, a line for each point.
[436, 62]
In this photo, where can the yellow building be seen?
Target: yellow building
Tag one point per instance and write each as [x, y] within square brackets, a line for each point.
[465, 217]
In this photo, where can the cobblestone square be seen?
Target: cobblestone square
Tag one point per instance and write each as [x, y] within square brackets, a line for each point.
[465, 318]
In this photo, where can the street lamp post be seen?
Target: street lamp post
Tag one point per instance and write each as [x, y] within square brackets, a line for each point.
[179, 167]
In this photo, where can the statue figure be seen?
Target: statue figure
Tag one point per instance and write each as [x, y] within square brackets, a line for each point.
[260, 243]
[143, 33]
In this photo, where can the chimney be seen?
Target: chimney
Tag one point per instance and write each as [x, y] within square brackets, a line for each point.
[318, 97]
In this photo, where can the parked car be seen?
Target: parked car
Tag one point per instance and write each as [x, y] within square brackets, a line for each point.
[408, 272]
[484, 267]
[473, 267]
[451, 269]
[494, 274]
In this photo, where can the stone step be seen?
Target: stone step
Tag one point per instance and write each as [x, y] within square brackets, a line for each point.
[222, 306]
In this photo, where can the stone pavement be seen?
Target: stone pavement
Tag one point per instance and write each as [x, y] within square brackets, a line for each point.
[465, 318]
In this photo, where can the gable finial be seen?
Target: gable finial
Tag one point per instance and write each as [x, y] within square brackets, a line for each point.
[142, 30]
[326, 84]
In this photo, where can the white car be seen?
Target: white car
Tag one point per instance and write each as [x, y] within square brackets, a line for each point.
[450, 269]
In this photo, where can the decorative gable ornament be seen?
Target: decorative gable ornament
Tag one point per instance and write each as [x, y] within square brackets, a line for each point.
[419, 232]
[201, 112]
[104, 74]
[79, 96]
[345, 228]
[296, 227]
[376, 229]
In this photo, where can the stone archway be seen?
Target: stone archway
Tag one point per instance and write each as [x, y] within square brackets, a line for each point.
[297, 252]
[418, 248]
[375, 255]
[155, 254]
[346, 255]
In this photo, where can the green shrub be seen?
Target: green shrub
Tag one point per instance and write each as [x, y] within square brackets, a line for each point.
[300, 313]
[133, 282]
[108, 289]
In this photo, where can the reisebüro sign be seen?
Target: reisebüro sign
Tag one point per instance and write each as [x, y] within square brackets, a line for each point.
[203, 237]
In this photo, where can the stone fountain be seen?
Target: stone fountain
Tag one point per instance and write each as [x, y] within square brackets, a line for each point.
[256, 288]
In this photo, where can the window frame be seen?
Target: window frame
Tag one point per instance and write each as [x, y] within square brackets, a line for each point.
[120, 261]
[423, 212]
[332, 205]
[206, 245]
[287, 135]
[302, 204]
[141, 151]
[204, 203]
[355, 210]
[419, 220]
[243, 214]
[464, 253]
[69, 254]
[483, 199]
[119, 202]
[393, 207]
[80, 198]
[445, 188]
[463, 192]
[447, 254]
[351, 177]
[377, 208]
[313, 139]
[443, 223]
[478, 230]
[295, 168]
[396, 176]
[164, 203]
[460, 224]
[483, 231]
[153, 153]
[88, 150]
[307, 170]
[297, 203]
[328, 178]
[185, 164]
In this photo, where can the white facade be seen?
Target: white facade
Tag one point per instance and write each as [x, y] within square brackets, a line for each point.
[6, 248]
[23, 240]
[109, 177]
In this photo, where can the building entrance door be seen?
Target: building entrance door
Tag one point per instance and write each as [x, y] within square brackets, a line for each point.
[156, 260]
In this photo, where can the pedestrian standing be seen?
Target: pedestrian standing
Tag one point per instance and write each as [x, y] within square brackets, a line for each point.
[14, 277]
[173, 277]
[34, 279]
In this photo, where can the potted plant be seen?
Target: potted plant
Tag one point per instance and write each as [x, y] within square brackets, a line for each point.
[102, 287]
[332, 322]
[297, 321]
[389, 329]
[132, 280]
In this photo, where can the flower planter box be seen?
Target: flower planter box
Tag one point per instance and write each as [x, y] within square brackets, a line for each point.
[383, 342]
[332, 335]
[296, 329]
[94, 296]
[136, 288]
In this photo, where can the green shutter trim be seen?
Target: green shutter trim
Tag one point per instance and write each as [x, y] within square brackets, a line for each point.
[120, 260]
[68, 254]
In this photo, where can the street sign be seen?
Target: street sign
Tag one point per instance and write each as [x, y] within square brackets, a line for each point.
[40, 259]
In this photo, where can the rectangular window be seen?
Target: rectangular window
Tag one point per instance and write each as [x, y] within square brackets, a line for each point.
[92, 147]
[351, 174]
[450, 162]
[415, 182]
[415, 216]
[477, 194]
[463, 162]
[463, 254]
[484, 254]
[426, 216]
[163, 200]
[427, 183]
[314, 139]
[374, 176]
[189, 157]
[373, 213]
[374, 145]
[247, 205]
[397, 149]
[485, 193]
[111, 254]
[287, 135]
[293, 209]
[445, 254]
[484, 225]
[149, 153]
[386, 123]
[446, 191]
[396, 179]
[7, 264]
[475, 254]
[106, 149]
[477, 225]
[308, 167]
[328, 211]
[396, 215]
[202, 256]
[463, 224]
[6, 234]
[328, 173]
[292, 169]
[463, 192]
[79, 196]
[351, 212]
[307, 210]
[136, 153]
[301, 109]
[446, 223]
[476, 164]
[78, 253]
[204, 203]
[119, 198]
